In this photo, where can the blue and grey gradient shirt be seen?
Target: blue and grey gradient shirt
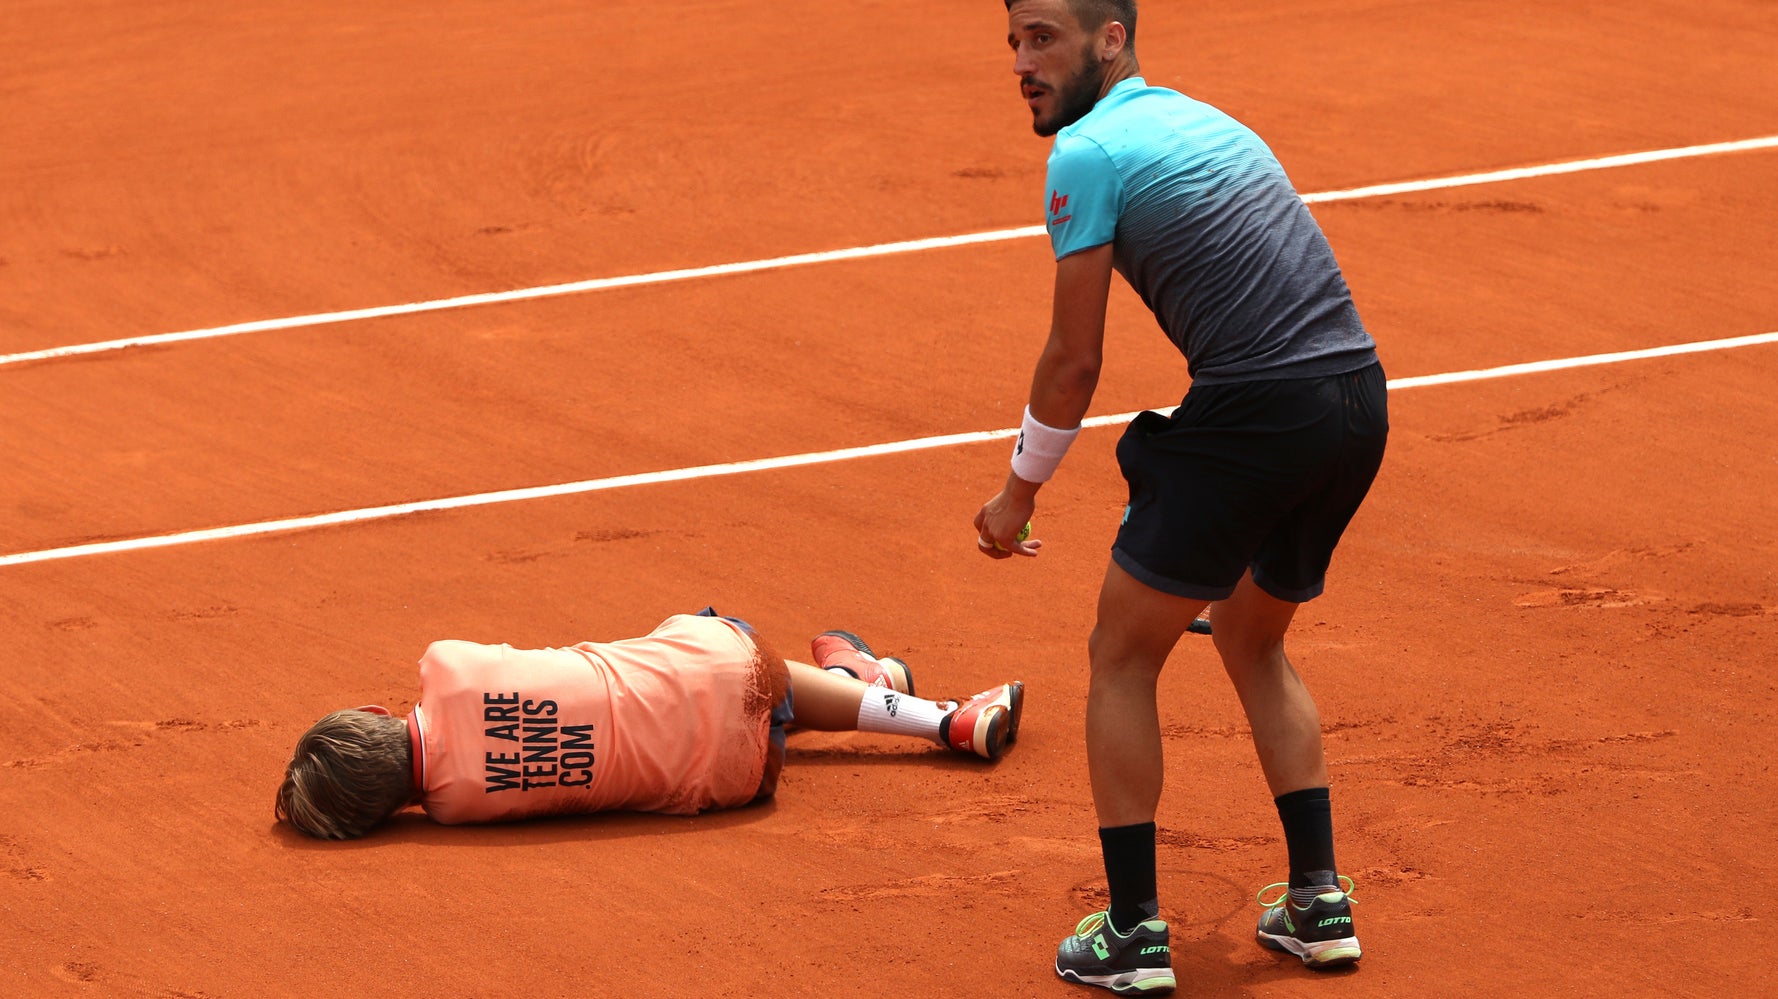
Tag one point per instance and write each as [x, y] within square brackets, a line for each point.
[1207, 228]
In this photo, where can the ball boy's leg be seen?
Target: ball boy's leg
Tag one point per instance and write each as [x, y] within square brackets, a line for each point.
[831, 701]
[826, 702]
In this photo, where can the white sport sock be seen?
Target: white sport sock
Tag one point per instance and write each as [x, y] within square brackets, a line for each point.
[884, 710]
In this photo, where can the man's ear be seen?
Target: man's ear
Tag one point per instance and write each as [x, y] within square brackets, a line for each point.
[1112, 40]
[375, 709]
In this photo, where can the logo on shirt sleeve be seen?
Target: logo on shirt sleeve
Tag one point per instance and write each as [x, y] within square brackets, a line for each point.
[1059, 204]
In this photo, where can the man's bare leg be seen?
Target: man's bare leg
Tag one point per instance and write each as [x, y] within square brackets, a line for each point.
[1137, 629]
[1249, 630]
[1313, 920]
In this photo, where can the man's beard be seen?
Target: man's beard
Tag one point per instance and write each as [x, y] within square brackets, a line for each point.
[1075, 98]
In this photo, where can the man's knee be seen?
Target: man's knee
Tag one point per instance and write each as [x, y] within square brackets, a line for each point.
[1245, 647]
[1112, 657]
[1248, 628]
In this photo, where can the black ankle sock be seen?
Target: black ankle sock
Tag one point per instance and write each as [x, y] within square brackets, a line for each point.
[1308, 834]
[1129, 867]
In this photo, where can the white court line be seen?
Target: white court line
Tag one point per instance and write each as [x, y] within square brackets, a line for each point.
[854, 253]
[792, 461]
[1534, 367]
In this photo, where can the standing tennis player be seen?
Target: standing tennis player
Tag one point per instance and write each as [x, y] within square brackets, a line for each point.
[1236, 500]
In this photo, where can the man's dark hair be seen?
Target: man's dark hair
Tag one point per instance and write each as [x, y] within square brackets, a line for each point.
[1092, 15]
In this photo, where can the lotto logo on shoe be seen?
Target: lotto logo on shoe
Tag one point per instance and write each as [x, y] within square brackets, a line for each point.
[1334, 920]
[891, 704]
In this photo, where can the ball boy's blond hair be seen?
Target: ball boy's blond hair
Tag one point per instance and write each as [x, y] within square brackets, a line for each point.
[352, 770]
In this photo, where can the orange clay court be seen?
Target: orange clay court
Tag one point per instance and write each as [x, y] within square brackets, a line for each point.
[1543, 662]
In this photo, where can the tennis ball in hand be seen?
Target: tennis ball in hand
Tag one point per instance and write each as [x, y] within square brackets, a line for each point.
[1024, 532]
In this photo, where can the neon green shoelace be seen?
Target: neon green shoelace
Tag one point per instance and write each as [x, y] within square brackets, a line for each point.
[1346, 886]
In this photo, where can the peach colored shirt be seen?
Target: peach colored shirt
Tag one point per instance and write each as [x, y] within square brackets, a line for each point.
[670, 722]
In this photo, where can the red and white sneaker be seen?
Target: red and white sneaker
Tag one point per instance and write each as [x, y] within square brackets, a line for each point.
[987, 723]
[844, 651]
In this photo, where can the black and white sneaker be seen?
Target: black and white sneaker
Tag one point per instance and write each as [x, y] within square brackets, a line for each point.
[1139, 963]
[1321, 933]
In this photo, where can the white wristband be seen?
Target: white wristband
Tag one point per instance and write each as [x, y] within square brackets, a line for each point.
[1039, 449]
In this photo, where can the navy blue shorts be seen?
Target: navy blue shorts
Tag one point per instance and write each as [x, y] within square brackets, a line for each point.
[1258, 475]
